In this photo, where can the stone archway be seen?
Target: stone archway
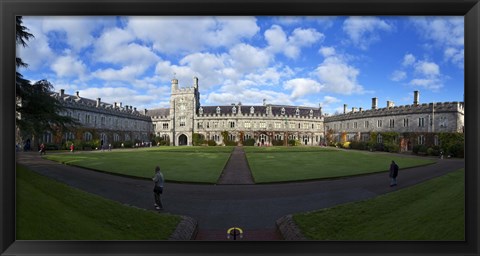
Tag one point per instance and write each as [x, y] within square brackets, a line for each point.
[182, 140]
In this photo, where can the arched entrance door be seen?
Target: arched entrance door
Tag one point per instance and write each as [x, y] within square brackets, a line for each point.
[182, 140]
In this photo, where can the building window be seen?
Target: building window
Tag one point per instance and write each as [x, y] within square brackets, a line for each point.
[232, 124]
[297, 112]
[247, 125]
[69, 136]
[87, 136]
[218, 110]
[292, 126]
[234, 110]
[199, 125]
[311, 112]
[200, 111]
[252, 110]
[182, 121]
[263, 125]
[421, 122]
[305, 126]
[443, 121]
[47, 137]
[87, 119]
[348, 125]
[355, 126]
[116, 137]
[379, 138]
[278, 125]
[392, 123]
[421, 140]
[215, 124]
[379, 123]
[405, 122]
[231, 137]
[283, 111]
[165, 126]
[366, 124]
[102, 120]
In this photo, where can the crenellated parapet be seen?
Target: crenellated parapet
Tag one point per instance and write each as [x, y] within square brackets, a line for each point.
[439, 107]
[96, 106]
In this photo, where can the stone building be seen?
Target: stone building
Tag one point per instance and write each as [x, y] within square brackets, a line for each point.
[265, 123]
[417, 119]
[101, 121]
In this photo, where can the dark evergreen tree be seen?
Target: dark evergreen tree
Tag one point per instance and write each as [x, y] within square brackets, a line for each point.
[37, 110]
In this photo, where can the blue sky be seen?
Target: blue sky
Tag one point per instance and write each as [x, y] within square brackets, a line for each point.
[305, 61]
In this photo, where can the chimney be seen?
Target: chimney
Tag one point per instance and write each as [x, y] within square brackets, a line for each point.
[145, 111]
[264, 102]
[62, 92]
[354, 110]
[344, 108]
[416, 97]
[374, 103]
[115, 105]
[390, 104]
[135, 109]
[78, 94]
[98, 102]
[120, 105]
[361, 109]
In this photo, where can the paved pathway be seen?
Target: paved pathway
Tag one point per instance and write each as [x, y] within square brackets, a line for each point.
[255, 208]
[236, 170]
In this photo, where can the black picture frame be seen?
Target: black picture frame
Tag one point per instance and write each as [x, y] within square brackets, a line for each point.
[470, 9]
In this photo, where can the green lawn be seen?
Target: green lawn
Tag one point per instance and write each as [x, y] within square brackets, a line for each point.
[279, 164]
[268, 164]
[183, 164]
[433, 210]
[49, 210]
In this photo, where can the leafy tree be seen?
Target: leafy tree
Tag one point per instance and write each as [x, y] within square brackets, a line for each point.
[36, 110]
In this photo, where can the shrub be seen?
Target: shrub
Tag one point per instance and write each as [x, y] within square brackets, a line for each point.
[293, 142]
[390, 147]
[249, 142]
[278, 142]
[211, 143]
[457, 149]
[419, 149]
[346, 144]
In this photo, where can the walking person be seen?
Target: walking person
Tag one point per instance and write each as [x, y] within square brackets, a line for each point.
[158, 188]
[42, 149]
[72, 148]
[393, 174]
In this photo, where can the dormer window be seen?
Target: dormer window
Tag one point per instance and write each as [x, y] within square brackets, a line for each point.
[200, 111]
[283, 111]
[218, 110]
[297, 112]
[234, 110]
[311, 112]
[252, 110]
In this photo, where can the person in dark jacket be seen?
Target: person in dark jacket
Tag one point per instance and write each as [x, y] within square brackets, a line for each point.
[393, 174]
[158, 188]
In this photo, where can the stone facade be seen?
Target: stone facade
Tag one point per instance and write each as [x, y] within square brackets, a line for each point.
[264, 123]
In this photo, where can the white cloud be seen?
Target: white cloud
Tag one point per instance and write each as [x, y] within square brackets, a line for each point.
[327, 100]
[446, 33]
[336, 75]
[37, 53]
[126, 73]
[427, 69]
[398, 75]
[68, 66]
[78, 29]
[302, 86]
[197, 33]
[408, 59]
[327, 51]
[364, 31]
[291, 46]
[246, 58]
